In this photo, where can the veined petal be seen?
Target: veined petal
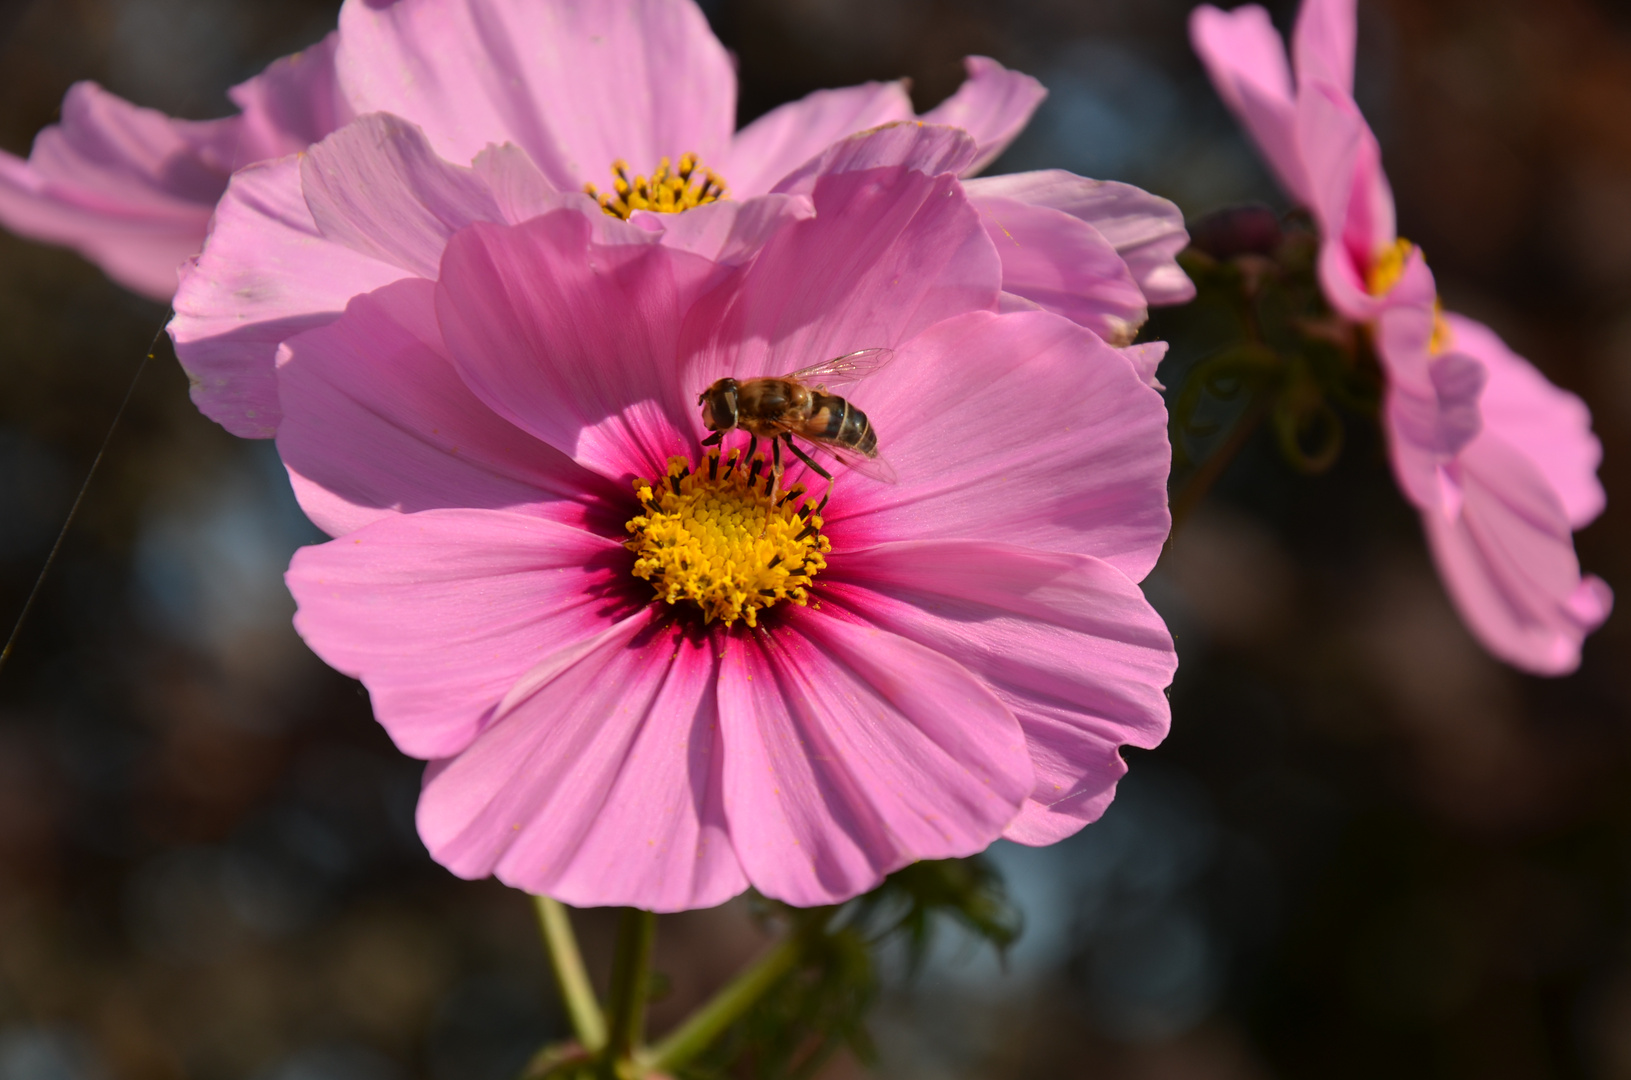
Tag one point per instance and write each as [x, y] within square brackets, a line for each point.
[788, 136]
[377, 422]
[266, 274]
[578, 85]
[730, 231]
[993, 105]
[926, 148]
[572, 341]
[1021, 428]
[603, 785]
[378, 188]
[1507, 558]
[889, 252]
[1548, 425]
[1146, 230]
[1063, 265]
[850, 752]
[1246, 59]
[1067, 642]
[440, 613]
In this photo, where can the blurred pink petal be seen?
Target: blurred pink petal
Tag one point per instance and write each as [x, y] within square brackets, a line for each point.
[1246, 59]
[1507, 557]
[993, 106]
[1025, 621]
[1501, 464]
[1549, 426]
[1146, 230]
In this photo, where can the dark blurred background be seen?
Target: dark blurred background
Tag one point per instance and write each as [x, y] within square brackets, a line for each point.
[1367, 849]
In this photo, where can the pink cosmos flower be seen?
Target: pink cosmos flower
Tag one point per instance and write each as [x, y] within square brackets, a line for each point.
[529, 534]
[608, 82]
[1501, 464]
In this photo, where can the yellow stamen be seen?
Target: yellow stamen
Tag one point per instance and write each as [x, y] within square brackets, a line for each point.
[666, 192]
[723, 538]
[1388, 266]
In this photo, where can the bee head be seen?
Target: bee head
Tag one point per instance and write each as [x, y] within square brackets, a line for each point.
[719, 405]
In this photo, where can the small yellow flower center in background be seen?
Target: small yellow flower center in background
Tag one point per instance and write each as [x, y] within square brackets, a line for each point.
[1385, 272]
[722, 538]
[1388, 266]
[666, 192]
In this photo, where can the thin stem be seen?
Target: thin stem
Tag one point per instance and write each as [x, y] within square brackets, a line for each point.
[631, 982]
[570, 974]
[705, 1025]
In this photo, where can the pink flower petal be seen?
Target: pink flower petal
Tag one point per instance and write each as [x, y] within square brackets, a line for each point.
[1508, 561]
[924, 148]
[1020, 428]
[993, 106]
[265, 275]
[728, 232]
[889, 252]
[572, 341]
[1145, 230]
[577, 85]
[378, 188]
[604, 785]
[1323, 42]
[850, 752]
[1063, 265]
[1246, 59]
[1067, 642]
[1146, 358]
[1549, 426]
[293, 103]
[1431, 409]
[788, 136]
[128, 188]
[376, 422]
[1349, 195]
[440, 613]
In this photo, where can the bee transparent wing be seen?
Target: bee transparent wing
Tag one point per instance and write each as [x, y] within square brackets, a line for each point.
[874, 468]
[843, 370]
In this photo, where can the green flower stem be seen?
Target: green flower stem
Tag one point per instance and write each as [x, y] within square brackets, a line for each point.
[631, 983]
[705, 1025]
[573, 977]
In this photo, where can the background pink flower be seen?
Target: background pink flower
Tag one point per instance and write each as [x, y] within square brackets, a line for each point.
[1500, 463]
[971, 658]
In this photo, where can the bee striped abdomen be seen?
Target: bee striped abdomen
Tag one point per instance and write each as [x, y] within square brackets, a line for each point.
[847, 426]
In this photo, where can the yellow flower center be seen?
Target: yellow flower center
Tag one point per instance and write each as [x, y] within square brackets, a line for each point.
[667, 192]
[1388, 266]
[1386, 270]
[724, 538]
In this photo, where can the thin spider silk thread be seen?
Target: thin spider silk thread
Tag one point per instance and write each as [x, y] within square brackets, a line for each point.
[73, 511]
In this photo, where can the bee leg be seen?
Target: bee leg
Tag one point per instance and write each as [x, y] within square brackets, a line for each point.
[809, 461]
[715, 439]
[775, 468]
